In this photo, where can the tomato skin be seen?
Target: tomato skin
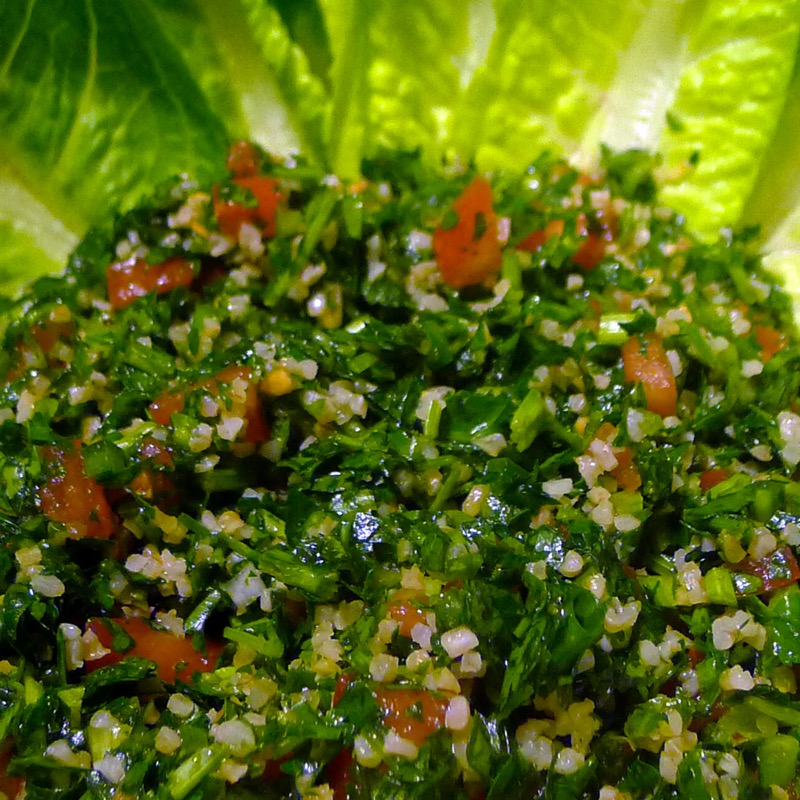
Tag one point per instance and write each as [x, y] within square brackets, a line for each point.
[770, 341]
[403, 611]
[625, 473]
[165, 405]
[536, 240]
[400, 707]
[653, 370]
[50, 333]
[154, 484]
[73, 498]
[413, 714]
[256, 428]
[593, 249]
[711, 477]
[628, 478]
[231, 215]
[338, 773]
[13, 786]
[129, 280]
[777, 570]
[469, 253]
[242, 159]
[166, 649]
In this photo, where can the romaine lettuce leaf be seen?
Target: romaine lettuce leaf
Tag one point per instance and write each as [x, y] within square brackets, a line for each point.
[546, 73]
[727, 105]
[94, 104]
[100, 101]
[114, 98]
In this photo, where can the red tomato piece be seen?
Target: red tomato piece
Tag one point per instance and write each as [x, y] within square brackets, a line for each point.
[711, 477]
[625, 472]
[403, 610]
[338, 773]
[134, 278]
[770, 341]
[165, 405]
[777, 570]
[256, 428]
[152, 483]
[73, 498]
[242, 159]
[50, 333]
[342, 685]
[231, 215]
[534, 241]
[651, 367]
[593, 249]
[468, 253]
[413, 714]
[175, 656]
[13, 786]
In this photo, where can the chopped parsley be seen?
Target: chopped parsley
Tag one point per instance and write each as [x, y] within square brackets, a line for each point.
[418, 487]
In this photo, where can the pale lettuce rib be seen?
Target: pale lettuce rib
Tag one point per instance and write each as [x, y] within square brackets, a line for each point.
[727, 106]
[545, 76]
[34, 242]
[774, 203]
[633, 110]
[290, 96]
[397, 71]
[347, 23]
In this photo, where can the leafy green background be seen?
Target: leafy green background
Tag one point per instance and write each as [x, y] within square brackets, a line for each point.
[99, 101]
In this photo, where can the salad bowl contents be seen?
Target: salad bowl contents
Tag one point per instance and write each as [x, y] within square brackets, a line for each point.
[428, 462]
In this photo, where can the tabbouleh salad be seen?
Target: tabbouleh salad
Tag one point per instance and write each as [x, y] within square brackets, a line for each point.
[426, 486]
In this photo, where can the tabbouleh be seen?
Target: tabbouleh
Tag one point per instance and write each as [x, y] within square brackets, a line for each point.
[428, 486]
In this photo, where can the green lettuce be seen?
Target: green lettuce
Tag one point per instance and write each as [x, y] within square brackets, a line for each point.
[101, 101]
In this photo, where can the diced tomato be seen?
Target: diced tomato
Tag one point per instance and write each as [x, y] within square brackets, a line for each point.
[151, 483]
[342, 685]
[468, 253]
[231, 215]
[403, 610]
[413, 714]
[165, 405]
[338, 773]
[175, 656]
[46, 336]
[777, 570]
[694, 656]
[73, 498]
[50, 333]
[606, 432]
[593, 249]
[770, 341]
[242, 159]
[12, 786]
[134, 278]
[651, 367]
[625, 472]
[534, 241]
[256, 428]
[155, 451]
[711, 477]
